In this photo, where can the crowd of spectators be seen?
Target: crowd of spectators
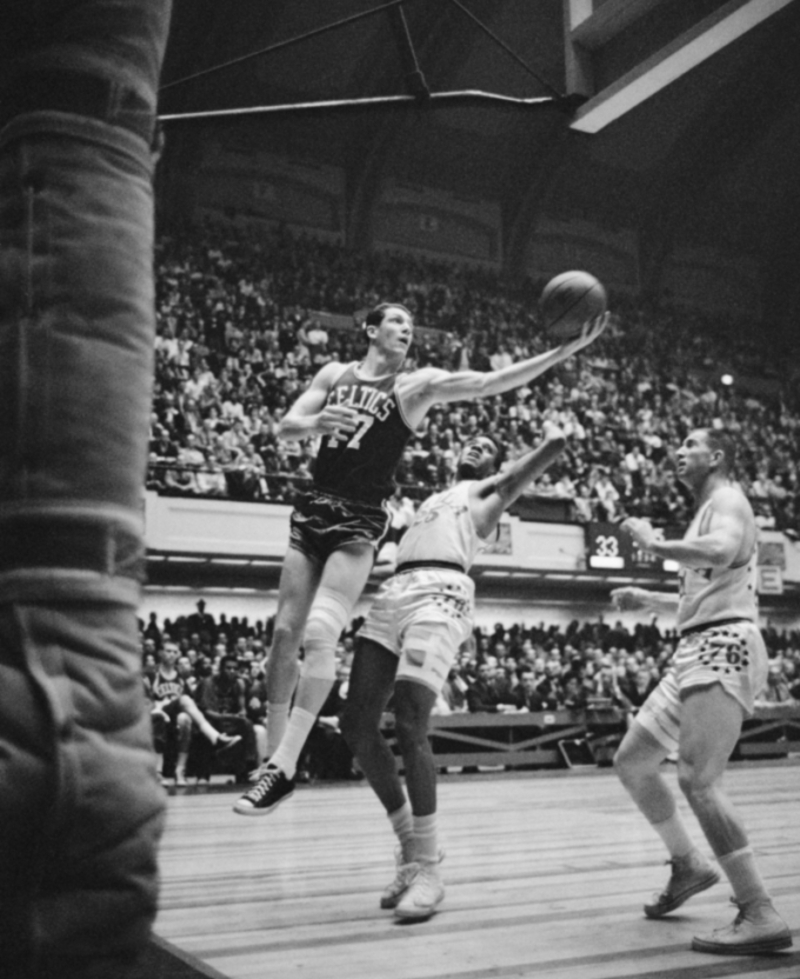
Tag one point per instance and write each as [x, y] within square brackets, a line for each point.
[238, 340]
[508, 669]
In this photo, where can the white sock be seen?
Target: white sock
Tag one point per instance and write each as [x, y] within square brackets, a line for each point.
[673, 833]
[297, 732]
[426, 844]
[745, 877]
[403, 825]
[277, 722]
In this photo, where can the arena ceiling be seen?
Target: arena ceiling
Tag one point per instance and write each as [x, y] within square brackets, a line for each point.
[712, 159]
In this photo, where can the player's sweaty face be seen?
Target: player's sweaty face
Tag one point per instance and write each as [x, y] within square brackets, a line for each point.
[693, 455]
[396, 329]
[479, 454]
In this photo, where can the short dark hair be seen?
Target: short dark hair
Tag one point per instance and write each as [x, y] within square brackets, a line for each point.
[720, 440]
[499, 447]
[375, 316]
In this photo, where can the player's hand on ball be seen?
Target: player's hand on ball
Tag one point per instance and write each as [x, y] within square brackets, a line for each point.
[628, 599]
[641, 531]
[590, 332]
[338, 421]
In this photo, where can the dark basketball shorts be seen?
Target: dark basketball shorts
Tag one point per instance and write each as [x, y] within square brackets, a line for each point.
[322, 523]
[173, 709]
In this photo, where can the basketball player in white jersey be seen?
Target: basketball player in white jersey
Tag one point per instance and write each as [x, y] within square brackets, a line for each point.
[718, 668]
[408, 644]
[364, 414]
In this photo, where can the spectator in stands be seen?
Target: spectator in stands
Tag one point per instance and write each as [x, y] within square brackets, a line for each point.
[328, 756]
[186, 672]
[777, 690]
[528, 697]
[149, 661]
[606, 494]
[454, 692]
[256, 704]
[505, 680]
[635, 686]
[603, 406]
[549, 687]
[222, 700]
[202, 622]
[482, 694]
[576, 696]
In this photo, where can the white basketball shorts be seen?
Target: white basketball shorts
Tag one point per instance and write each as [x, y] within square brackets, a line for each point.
[423, 616]
[731, 655]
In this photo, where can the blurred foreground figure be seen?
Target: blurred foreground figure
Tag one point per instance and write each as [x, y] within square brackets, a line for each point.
[81, 811]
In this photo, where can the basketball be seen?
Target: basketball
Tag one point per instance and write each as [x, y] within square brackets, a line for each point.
[568, 301]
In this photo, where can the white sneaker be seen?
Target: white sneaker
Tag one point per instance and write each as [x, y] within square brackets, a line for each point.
[757, 929]
[690, 875]
[424, 894]
[406, 869]
[406, 872]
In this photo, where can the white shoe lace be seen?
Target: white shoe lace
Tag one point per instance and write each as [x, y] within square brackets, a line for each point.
[257, 793]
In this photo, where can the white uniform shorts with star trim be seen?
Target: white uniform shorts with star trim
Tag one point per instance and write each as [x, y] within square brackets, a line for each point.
[732, 655]
[423, 616]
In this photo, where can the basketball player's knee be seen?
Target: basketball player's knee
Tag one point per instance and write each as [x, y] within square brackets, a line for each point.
[286, 638]
[326, 622]
[696, 784]
[411, 733]
[631, 767]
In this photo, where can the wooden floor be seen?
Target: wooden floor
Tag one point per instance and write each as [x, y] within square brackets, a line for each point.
[545, 876]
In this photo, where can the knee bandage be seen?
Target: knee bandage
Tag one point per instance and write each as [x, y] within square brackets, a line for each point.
[326, 622]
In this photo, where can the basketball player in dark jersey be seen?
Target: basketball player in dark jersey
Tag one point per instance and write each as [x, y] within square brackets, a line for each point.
[364, 414]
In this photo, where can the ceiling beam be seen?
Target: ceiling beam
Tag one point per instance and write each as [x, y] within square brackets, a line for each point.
[694, 46]
[592, 28]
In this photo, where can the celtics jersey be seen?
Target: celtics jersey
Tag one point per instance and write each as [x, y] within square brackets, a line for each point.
[167, 687]
[360, 465]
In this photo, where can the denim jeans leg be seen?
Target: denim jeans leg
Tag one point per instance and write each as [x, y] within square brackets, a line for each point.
[76, 338]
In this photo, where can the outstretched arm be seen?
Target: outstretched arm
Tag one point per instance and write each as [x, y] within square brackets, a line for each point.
[310, 415]
[429, 386]
[490, 497]
[633, 599]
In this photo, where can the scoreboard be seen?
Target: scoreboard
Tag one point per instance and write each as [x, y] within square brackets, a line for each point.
[609, 548]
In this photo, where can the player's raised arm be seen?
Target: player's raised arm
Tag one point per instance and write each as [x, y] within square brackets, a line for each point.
[717, 548]
[490, 497]
[310, 415]
[430, 386]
